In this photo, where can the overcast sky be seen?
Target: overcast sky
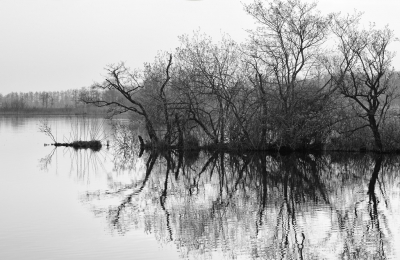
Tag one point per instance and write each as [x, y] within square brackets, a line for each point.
[65, 44]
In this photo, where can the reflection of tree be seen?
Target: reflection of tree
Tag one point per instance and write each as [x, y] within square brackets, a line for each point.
[259, 205]
[359, 245]
[46, 161]
[83, 162]
[115, 214]
[125, 146]
[373, 207]
[364, 227]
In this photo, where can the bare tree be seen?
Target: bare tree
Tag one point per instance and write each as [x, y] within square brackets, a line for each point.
[363, 71]
[288, 42]
[46, 129]
[210, 84]
[130, 85]
[284, 53]
[157, 94]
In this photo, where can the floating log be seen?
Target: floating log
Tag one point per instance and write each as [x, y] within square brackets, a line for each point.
[94, 145]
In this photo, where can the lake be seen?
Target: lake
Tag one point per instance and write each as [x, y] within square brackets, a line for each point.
[62, 203]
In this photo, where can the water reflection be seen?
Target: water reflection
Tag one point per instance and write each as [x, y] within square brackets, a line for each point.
[213, 205]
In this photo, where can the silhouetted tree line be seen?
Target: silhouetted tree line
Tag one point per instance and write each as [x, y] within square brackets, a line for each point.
[302, 80]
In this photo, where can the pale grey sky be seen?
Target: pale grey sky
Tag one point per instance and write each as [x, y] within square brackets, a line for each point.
[65, 44]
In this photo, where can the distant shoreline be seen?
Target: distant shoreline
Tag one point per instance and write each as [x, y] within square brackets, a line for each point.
[51, 113]
[90, 113]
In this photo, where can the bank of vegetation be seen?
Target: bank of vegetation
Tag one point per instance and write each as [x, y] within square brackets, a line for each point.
[301, 81]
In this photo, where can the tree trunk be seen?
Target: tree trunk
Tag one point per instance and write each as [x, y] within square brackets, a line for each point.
[150, 130]
[377, 135]
[263, 137]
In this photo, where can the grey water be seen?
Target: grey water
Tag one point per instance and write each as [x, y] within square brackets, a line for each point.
[112, 204]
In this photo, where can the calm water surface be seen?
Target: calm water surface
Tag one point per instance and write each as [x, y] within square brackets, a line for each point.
[112, 204]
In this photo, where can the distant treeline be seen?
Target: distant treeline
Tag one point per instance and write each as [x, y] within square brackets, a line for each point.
[47, 102]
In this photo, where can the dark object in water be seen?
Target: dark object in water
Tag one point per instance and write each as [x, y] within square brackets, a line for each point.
[94, 145]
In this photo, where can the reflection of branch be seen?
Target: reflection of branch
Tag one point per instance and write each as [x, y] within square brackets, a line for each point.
[235, 186]
[371, 187]
[313, 182]
[117, 212]
[124, 137]
[84, 162]
[46, 161]
[294, 225]
[264, 172]
[374, 203]
[163, 198]
[195, 184]
[149, 165]
[350, 223]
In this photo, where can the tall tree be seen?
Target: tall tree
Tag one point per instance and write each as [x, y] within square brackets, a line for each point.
[130, 86]
[285, 51]
[363, 71]
[211, 85]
